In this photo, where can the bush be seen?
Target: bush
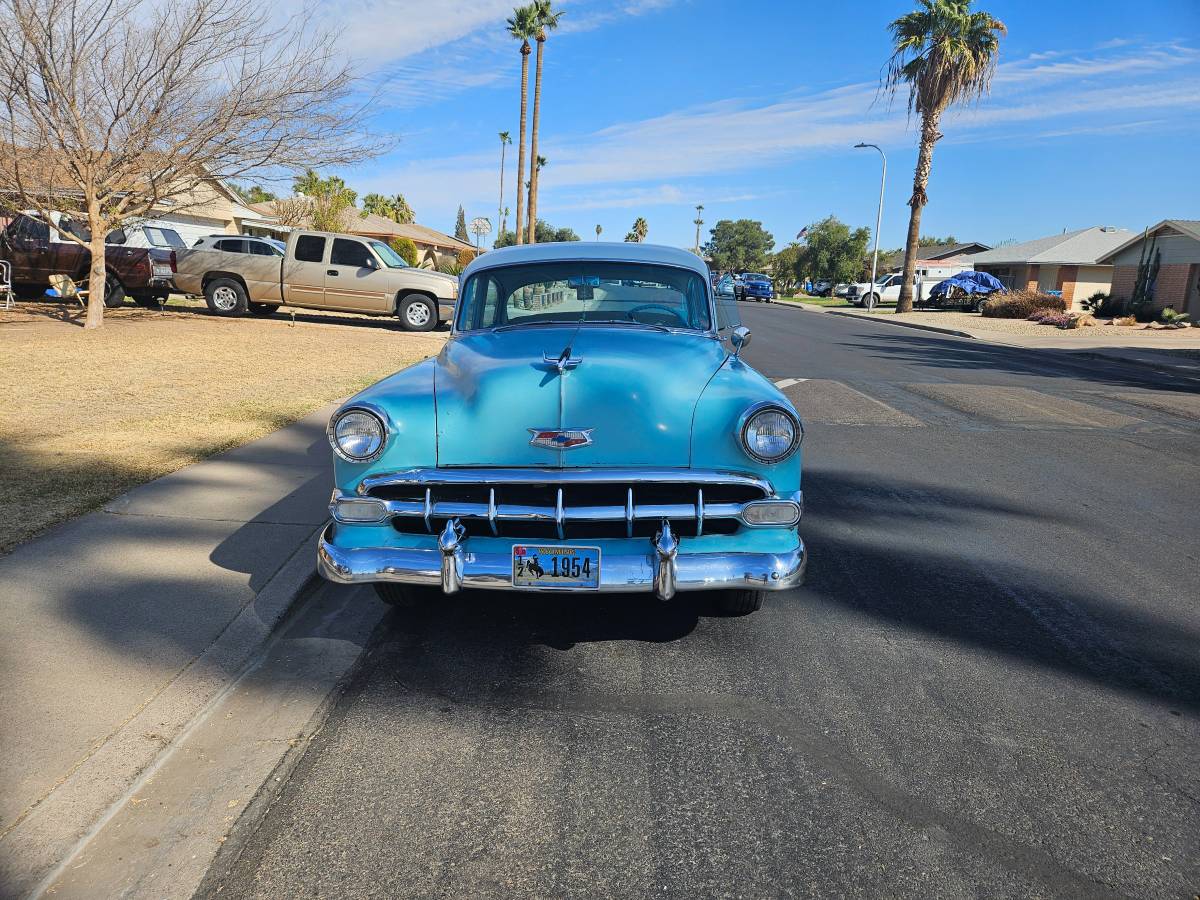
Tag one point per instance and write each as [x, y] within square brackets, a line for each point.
[1021, 305]
[465, 257]
[406, 248]
[1171, 317]
[1104, 305]
[1125, 320]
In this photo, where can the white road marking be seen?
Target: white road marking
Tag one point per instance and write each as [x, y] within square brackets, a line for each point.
[788, 382]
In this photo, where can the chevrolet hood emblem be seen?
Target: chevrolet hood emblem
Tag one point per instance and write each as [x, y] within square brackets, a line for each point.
[560, 438]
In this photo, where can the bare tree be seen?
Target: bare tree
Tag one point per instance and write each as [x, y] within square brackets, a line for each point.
[113, 108]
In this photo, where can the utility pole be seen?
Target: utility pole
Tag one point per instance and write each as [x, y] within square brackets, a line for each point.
[698, 222]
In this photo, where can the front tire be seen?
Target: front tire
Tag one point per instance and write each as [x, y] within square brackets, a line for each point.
[740, 603]
[225, 297]
[417, 313]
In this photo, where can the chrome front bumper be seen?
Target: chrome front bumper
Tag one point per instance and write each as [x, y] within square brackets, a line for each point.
[661, 569]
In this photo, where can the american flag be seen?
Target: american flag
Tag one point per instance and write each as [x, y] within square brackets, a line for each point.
[803, 232]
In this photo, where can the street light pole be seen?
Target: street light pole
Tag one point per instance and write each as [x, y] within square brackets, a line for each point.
[878, 221]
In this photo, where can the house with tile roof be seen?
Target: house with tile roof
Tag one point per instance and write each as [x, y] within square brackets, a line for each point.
[1176, 243]
[1068, 263]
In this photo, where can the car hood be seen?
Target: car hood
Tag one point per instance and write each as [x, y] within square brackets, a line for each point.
[634, 391]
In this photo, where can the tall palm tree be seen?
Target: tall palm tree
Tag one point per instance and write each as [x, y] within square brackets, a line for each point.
[522, 26]
[638, 232]
[402, 212]
[598, 230]
[378, 205]
[546, 19]
[505, 140]
[946, 54]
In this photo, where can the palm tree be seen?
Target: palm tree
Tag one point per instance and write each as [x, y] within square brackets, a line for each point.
[402, 212]
[946, 54]
[637, 234]
[378, 205]
[522, 26]
[505, 140]
[598, 230]
[546, 19]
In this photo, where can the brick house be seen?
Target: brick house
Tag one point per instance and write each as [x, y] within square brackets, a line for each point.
[1068, 263]
[1178, 282]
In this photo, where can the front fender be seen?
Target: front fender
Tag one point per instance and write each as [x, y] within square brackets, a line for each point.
[406, 399]
[715, 442]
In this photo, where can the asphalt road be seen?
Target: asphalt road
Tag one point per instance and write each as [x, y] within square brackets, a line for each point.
[989, 686]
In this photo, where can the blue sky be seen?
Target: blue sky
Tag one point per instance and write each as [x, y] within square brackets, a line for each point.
[751, 108]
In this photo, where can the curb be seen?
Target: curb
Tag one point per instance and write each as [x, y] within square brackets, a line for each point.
[870, 318]
[1164, 368]
[58, 827]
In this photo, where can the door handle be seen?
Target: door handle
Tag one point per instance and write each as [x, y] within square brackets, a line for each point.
[332, 272]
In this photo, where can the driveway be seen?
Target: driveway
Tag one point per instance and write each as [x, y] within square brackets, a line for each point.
[989, 685]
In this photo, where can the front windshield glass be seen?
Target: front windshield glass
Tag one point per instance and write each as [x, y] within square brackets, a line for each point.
[594, 291]
[390, 257]
[755, 275]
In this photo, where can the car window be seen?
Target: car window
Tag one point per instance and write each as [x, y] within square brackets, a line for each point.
[29, 229]
[163, 237]
[75, 228]
[233, 245]
[310, 248]
[118, 236]
[350, 253]
[588, 291]
[260, 248]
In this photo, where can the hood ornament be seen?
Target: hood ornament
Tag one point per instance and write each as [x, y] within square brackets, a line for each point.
[560, 438]
[562, 362]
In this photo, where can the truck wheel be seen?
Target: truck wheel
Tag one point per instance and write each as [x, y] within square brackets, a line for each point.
[226, 297]
[262, 309]
[403, 596]
[740, 603]
[114, 293]
[418, 313]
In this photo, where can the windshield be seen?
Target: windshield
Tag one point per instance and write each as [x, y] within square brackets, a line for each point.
[390, 257]
[756, 276]
[163, 237]
[594, 291]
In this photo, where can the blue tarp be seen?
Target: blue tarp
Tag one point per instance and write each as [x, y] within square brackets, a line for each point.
[969, 283]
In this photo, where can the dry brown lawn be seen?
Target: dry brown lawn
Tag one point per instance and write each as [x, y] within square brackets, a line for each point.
[89, 414]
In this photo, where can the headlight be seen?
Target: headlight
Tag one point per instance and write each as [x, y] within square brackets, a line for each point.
[357, 435]
[770, 434]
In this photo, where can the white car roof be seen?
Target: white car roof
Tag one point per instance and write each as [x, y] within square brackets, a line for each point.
[608, 251]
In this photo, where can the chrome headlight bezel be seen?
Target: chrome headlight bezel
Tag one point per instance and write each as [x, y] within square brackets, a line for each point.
[372, 413]
[758, 409]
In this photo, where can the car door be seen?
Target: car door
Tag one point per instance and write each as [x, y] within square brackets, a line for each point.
[354, 279]
[66, 256]
[261, 271]
[304, 271]
[890, 289]
[29, 252]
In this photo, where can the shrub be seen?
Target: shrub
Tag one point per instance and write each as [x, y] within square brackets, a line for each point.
[1021, 305]
[1059, 320]
[1171, 317]
[1081, 321]
[1105, 305]
[406, 248]
[1125, 320]
[465, 257]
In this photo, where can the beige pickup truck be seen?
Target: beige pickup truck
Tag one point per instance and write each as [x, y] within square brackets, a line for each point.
[314, 270]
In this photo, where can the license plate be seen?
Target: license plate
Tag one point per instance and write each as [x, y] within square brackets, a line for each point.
[536, 566]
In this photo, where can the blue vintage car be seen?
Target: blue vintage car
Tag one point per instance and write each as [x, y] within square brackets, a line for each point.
[585, 428]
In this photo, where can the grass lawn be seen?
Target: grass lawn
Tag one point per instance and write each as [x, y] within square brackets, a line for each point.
[89, 414]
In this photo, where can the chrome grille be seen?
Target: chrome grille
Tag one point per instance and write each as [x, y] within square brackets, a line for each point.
[566, 504]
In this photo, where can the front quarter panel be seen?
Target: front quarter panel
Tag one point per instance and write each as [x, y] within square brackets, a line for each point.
[715, 441]
[407, 402]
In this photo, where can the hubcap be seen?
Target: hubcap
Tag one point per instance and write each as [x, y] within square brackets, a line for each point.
[225, 299]
[417, 314]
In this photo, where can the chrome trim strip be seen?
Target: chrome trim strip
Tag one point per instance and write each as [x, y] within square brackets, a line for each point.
[492, 510]
[634, 572]
[629, 513]
[699, 511]
[488, 477]
[558, 514]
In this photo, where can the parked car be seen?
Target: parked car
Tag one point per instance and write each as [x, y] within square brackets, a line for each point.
[611, 442]
[314, 270]
[729, 287]
[757, 287]
[36, 251]
[886, 290]
[820, 289]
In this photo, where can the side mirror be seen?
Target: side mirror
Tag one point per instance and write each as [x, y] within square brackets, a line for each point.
[740, 340]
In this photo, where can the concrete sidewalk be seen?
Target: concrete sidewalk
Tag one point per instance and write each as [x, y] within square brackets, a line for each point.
[120, 626]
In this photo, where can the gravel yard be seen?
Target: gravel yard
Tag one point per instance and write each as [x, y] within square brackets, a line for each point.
[969, 321]
[90, 414]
